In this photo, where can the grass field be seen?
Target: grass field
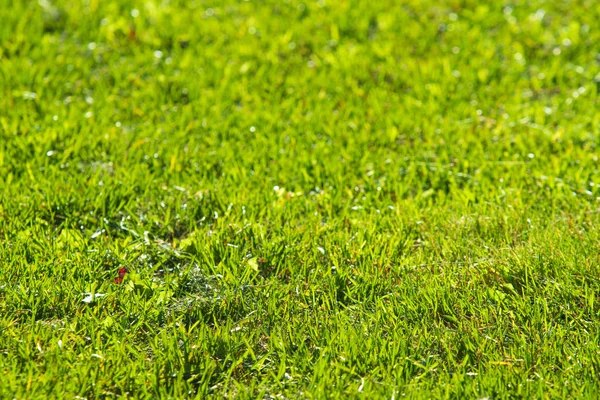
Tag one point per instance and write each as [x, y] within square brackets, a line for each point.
[299, 199]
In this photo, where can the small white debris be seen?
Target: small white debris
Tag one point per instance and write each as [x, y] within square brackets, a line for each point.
[97, 233]
[90, 298]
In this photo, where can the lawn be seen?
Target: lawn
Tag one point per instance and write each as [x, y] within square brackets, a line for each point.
[299, 199]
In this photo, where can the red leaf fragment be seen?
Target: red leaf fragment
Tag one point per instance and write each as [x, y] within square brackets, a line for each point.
[122, 272]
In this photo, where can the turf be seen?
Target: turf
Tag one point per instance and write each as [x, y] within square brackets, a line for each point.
[318, 199]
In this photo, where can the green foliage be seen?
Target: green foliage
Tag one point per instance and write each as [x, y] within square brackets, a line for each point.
[314, 199]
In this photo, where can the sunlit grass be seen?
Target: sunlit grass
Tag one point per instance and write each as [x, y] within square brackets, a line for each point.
[318, 199]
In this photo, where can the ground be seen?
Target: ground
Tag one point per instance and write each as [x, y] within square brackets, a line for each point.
[299, 199]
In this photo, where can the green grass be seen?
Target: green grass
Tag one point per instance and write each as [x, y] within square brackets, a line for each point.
[318, 199]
